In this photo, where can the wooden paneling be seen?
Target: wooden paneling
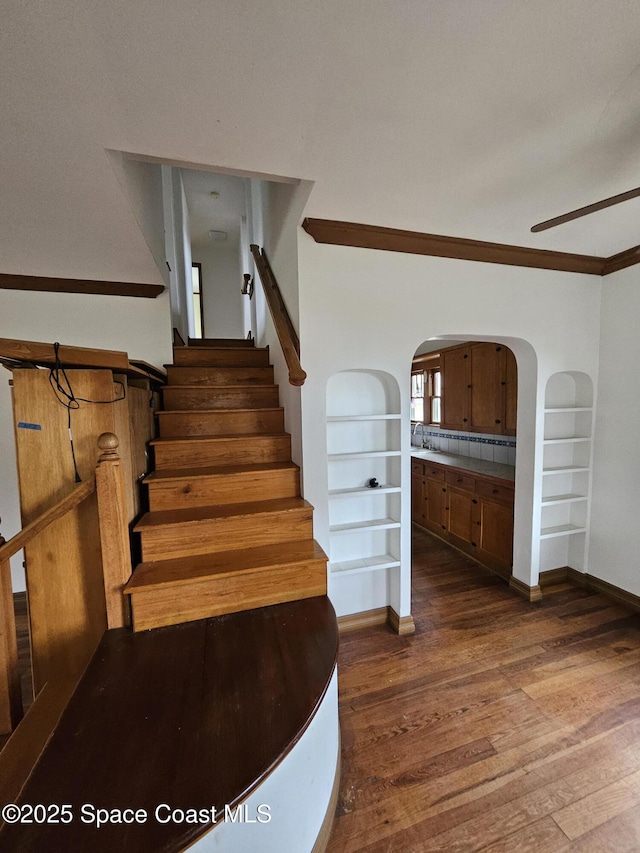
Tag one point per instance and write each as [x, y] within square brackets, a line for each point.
[10, 692]
[45, 463]
[487, 392]
[75, 285]
[205, 450]
[511, 393]
[220, 357]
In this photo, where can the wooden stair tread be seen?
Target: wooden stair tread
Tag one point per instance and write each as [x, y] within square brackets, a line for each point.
[250, 436]
[171, 517]
[149, 724]
[218, 411]
[181, 570]
[168, 474]
[221, 342]
[220, 388]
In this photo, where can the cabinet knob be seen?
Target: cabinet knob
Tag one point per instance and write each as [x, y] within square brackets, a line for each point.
[443, 527]
[494, 492]
[503, 382]
[475, 501]
[474, 544]
[465, 355]
[498, 349]
[468, 386]
[478, 523]
[497, 420]
[459, 479]
[464, 420]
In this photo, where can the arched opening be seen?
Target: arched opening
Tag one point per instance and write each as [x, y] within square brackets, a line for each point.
[482, 449]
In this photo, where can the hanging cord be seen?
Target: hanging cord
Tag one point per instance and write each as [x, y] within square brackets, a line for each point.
[63, 391]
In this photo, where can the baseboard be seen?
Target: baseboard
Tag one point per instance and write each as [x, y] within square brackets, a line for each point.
[365, 619]
[566, 573]
[531, 593]
[402, 625]
[553, 576]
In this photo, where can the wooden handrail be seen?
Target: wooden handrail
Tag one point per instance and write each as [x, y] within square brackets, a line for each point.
[281, 320]
[17, 542]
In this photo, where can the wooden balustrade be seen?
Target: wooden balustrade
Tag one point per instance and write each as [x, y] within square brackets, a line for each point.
[66, 629]
[285, 330]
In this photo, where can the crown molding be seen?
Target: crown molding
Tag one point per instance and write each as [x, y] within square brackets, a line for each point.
[417, 243]
[9, 281]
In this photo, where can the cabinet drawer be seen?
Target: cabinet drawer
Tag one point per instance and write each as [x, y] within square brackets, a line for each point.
[461, 481]
[433, 472]
[500, 494]
[417, 468]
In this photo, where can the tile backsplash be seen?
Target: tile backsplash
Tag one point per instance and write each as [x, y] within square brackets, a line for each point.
[492, 448]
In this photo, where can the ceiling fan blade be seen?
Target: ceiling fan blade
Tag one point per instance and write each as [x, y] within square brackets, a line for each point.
[584, 211]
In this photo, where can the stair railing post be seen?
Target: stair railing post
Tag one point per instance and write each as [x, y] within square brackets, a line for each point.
[11, 710]
[114, 530]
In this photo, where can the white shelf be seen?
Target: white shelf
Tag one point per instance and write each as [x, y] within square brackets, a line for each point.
[571, 440]
[561, 530]
[365, 564]
[571, 469]
[363, 490]
[552, 500]
[555, 409]
[346, 418]
[369, 524]
[367, 454]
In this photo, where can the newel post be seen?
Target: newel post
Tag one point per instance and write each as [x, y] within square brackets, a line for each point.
[11, 710]
[114, 529]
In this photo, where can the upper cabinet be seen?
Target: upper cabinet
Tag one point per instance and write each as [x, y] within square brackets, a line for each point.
[479, 388]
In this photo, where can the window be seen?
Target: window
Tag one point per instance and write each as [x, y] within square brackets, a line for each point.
[434, 383]
[426, 396]
[417, 396]
[198, 310]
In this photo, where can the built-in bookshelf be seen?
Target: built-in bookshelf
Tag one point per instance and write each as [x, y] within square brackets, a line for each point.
[363, 446]
[566, 470]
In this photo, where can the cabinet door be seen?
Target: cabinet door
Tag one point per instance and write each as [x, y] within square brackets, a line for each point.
[487, 363]
[417, 495]
[455, 390]
[436, 492]
[511, 393]
[496, 532]
[463, 515]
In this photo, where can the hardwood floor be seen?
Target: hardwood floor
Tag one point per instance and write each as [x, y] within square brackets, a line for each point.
[500, 726]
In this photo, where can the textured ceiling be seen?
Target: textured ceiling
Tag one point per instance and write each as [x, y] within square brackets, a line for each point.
[475, 119]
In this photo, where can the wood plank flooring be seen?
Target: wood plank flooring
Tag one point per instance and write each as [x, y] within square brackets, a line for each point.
[500, 726]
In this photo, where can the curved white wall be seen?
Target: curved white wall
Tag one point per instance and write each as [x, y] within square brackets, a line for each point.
[297, 793]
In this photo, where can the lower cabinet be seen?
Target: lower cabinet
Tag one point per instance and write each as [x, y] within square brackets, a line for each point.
[472, 512]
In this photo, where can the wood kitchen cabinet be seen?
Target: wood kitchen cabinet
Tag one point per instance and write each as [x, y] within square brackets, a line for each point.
[471, 511]
[479, 388]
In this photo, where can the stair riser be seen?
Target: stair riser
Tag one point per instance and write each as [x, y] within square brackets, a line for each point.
[220, 423]
[215, 596]
[224, 534]
[230, 451]
[227, 489]
[216, 398]
[199, 356]
[220, 375]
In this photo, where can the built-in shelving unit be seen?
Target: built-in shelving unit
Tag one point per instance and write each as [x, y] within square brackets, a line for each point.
[363, 444]
[568, 423]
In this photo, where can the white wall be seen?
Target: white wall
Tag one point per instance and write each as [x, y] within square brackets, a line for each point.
[613, 548]
[221, 289]
[141, 327]
[178, 250]
[371, 309]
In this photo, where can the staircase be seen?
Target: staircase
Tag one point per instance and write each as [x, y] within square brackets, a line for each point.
[227, 529]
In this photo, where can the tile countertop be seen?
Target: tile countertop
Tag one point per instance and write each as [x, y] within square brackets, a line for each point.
[467, 463]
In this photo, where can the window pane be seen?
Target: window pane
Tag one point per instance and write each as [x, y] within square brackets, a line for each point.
[195, 279]
[197, 317]
[417, 409]
[437, 383]
[435, 410]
